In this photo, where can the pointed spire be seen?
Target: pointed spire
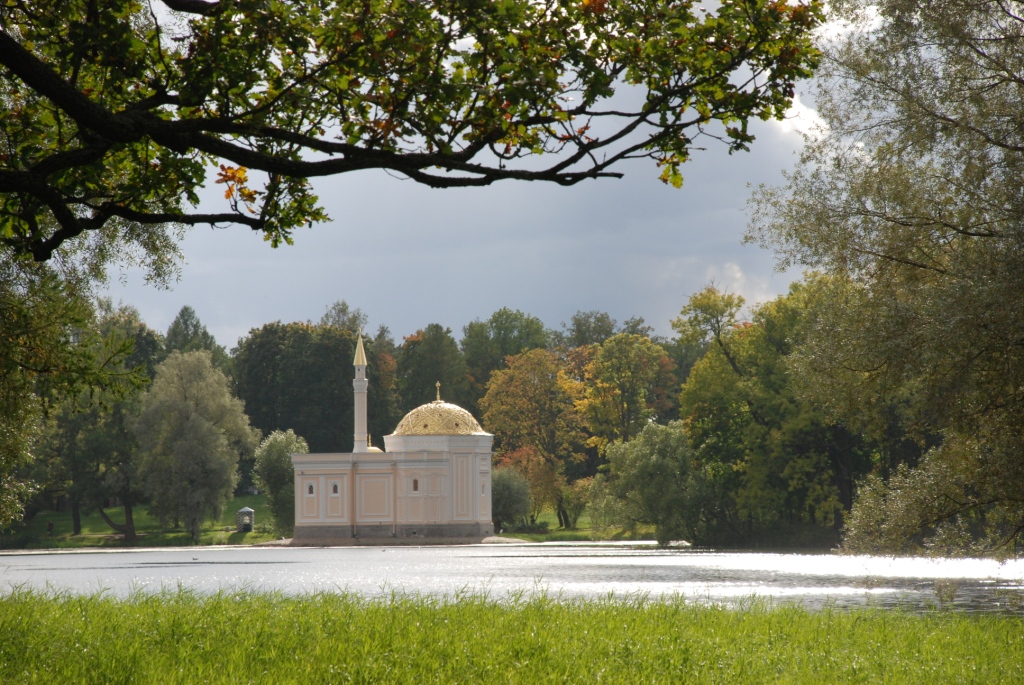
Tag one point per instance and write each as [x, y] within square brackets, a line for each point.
[438, 385]
[360, 359]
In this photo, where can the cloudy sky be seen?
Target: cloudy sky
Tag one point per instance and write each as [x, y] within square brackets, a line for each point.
[409, 255]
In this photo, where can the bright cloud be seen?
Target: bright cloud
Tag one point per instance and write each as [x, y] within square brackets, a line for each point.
[730, 278]
[801, 118]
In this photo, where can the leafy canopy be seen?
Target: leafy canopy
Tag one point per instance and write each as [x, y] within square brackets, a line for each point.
[910, 201]
[115, 110]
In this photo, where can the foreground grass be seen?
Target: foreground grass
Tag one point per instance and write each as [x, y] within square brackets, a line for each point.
[96, 533]
[268, 638]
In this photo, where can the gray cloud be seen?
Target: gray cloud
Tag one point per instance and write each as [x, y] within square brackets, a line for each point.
[409, 255]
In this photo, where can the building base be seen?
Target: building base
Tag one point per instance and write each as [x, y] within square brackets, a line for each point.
[387, 534]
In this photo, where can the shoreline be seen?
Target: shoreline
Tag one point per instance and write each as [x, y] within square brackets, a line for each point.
[274, 544]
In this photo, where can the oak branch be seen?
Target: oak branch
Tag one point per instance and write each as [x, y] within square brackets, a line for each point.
[118, 110]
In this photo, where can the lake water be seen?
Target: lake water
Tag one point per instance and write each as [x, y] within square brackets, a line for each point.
[562, 569]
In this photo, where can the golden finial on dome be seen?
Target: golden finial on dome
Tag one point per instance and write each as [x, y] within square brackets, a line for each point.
[438, 385]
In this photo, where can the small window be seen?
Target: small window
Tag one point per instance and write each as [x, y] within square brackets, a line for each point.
[310, 490]
[334, 489]
[415, 485]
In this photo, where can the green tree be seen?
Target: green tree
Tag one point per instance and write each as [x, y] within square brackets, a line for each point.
[340, 315]
[118, 451]
[383, 403]
[90, 449]
[187, 334]
[637, 326]
[909, 201]
[115, 112]
[274, 474]
[66, 464]
[428, 356]
[575, 497]
[653, 478]
[298, 376]
[50, 350]
[628, 382]
[510, 497]
[192, 433]
[783, 467]
[585, 329]
[486, 344]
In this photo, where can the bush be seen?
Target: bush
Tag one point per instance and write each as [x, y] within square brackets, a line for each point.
[537, 528]
[575, 498]
[510, 497]
[274, 474]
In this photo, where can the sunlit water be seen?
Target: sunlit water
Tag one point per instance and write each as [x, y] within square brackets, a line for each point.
[558, 569]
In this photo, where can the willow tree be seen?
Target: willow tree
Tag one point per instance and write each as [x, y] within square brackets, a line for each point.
[192, 433]
[118, 110]
[911, 201]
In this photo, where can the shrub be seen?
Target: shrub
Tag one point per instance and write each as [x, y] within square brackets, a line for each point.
[510, 497]
[274, 474]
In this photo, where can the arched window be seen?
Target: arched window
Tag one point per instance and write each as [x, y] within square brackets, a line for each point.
[334, 489]
[415, 485]
[310, 490]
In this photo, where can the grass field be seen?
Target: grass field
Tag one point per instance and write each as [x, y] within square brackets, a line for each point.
[250, 637]
[96, 533]
[582, 532]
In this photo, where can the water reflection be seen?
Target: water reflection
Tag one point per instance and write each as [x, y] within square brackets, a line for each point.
[564, 569]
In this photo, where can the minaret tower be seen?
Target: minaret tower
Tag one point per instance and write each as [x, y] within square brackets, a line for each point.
[359, 384]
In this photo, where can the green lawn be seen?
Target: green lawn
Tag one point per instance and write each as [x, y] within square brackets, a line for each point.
[582, 533]
[96, 533]
[251, 637]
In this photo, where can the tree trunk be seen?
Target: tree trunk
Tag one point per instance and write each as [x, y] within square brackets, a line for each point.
[129, 523]
[127, 529]
[563, 517]
[76, 518]
[195, 529]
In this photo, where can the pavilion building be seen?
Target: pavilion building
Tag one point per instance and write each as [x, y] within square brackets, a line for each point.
[431, 483]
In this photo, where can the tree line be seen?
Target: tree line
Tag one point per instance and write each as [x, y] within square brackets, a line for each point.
[576, 413]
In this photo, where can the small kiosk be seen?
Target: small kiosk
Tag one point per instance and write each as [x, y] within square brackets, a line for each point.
[244, 520]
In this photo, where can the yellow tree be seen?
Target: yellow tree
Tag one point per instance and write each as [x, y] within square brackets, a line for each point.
[527, 405]
[531, 411]
[627, 386]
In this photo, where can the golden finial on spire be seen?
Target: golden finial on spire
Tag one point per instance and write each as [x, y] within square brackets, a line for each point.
[360, 359]
[438, 385]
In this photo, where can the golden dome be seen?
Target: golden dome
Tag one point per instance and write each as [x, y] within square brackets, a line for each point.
[439, 418]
